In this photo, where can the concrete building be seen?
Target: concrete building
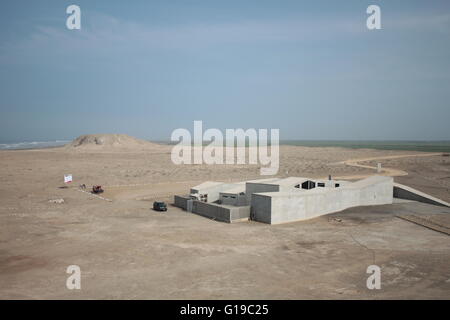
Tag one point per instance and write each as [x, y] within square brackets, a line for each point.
[277, 200]
[291, 199]
[302, 204]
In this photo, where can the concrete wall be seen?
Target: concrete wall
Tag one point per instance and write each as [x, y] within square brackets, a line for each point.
[240, 213]
[253, 187]
[211, 210]
[375, 190]
[233, 199]
[181, 201]
[294, 206]
[221, 212]
[261, 208]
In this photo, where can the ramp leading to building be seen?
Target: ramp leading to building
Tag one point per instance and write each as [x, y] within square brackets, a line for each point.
[404, 192]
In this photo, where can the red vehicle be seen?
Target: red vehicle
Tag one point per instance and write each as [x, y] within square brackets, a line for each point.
[97, 189]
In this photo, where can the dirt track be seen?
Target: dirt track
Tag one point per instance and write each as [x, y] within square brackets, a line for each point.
[384, 171]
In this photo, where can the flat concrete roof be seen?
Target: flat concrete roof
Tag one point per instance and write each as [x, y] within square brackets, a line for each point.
[237, 188]
[295, 192]
[291, 181]
[358, 184]
[368, 181]
[263, 181]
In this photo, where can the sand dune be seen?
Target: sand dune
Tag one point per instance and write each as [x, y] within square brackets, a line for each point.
[110, 143]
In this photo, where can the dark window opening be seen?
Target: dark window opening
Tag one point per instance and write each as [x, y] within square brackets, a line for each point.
[308, 185]
[321, 184]
[337, 185]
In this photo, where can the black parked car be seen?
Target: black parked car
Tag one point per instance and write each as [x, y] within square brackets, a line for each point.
[159, 206]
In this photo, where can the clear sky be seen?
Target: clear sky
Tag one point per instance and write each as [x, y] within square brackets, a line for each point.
[309, 68]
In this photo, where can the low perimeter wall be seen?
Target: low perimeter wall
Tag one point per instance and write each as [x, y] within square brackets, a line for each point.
[181, 201]
[214, 211]
[221, 212]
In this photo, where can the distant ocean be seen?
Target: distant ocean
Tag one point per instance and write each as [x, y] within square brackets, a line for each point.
[33, 145]
[426, 146]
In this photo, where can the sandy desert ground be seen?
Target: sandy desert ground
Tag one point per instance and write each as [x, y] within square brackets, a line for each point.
[126, 250]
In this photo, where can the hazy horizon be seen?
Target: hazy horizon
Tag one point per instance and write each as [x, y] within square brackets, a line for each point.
[69, 139]
[311, 69]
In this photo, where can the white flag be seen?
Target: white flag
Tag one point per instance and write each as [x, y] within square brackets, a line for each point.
[67, 178]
